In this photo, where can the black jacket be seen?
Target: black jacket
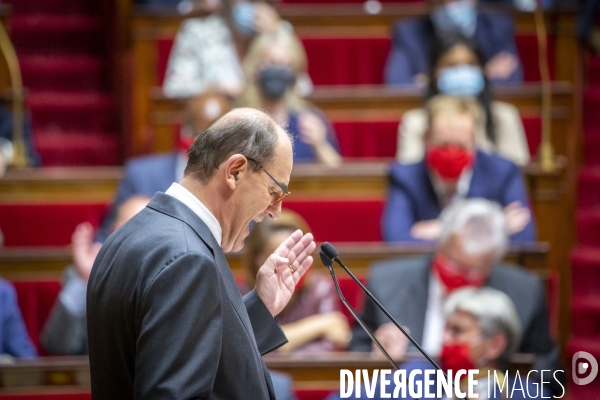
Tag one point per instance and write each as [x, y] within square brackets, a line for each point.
[166, 319]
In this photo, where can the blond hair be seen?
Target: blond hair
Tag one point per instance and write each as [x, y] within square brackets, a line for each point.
[444, 104]
[250, 96]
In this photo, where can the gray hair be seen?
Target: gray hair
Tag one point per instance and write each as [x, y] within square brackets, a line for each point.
[494, 311]
[480, 224]
[245, 131]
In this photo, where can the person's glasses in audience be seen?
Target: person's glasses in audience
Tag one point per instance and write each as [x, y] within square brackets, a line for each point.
[276, 197]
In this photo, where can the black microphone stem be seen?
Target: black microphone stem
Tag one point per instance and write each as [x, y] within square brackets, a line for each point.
[382, 308]
[359, 320]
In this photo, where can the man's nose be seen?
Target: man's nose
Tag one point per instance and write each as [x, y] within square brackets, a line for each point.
[274, 211]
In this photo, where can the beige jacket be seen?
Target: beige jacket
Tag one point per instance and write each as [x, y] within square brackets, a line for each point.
[511, 142]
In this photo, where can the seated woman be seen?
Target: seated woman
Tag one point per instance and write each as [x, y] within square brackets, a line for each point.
[311, 321]
[207, 50]
[457, 70]
[482, 332]
[272, 66]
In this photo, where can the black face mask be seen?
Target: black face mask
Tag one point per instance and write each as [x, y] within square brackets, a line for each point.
[274, 81]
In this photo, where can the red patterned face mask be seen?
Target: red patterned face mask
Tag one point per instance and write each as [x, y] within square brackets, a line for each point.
[456, 356]
[449, 161]
[451, 275]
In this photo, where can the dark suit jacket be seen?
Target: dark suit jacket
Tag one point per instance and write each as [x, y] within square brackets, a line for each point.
[413, 40]
[412, 198]
[402, 287]
[143, 176]
[166, 319]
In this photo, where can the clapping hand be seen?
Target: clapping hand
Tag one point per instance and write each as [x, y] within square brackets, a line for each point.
[277, 278]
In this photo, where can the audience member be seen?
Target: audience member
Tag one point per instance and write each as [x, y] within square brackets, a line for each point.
[457, 70]
[150, 174]
[14, 339]
[65, 332]
[472, 245]
[7, 152]
[452, 169]
[408, 61]
[272, 66]
[312, 320]
[207, 51]
[482, 331]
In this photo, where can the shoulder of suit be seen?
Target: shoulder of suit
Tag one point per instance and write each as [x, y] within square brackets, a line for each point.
[500, 108]
[496, 163]
[410, 27]
[400, 267]
[515, 274]
[416, 115]
[405, 172]
[6, 288]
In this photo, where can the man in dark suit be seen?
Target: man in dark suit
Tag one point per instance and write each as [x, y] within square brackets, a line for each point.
[165, 317]
[471, 247]
[452, 169]
[410, 56]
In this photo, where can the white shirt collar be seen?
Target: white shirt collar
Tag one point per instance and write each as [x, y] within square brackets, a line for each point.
[186, 197]
[462, 187]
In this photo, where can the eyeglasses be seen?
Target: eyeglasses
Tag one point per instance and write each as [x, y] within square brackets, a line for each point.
[277, 197]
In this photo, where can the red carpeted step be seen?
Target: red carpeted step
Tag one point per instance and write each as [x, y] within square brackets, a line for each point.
[589, 187]
[51, 6]
[87, 111]
[588, 226]
[76, 148]
[593, 70]
[61, 73]
[591, 149]
[591, 108]
[56, 34]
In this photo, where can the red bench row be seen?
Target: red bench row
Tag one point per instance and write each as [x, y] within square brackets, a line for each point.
[358, 61]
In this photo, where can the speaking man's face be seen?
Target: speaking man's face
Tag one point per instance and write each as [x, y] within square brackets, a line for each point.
[262, 194]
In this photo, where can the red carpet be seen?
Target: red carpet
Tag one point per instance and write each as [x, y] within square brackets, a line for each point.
[61, 49]
[585, 258]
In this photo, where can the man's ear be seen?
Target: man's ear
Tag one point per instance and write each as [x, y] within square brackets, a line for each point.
[495, 346]
[236, 168]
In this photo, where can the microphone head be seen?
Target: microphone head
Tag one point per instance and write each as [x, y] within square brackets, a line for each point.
[329, 250]
[325, 259]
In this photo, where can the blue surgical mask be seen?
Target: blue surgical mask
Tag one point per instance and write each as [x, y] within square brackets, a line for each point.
[461, 80]
[243, 18]
[458, 16]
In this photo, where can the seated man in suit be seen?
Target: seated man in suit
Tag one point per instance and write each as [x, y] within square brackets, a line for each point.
[14, 339]
[472, 245]
[452, 169]
[482, 332]
[408, 61]
[147, 175]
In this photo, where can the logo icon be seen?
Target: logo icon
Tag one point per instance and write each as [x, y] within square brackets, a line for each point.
[580, 367]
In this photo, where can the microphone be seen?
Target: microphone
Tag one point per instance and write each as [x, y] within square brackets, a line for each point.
[328, 262]
[329, 254]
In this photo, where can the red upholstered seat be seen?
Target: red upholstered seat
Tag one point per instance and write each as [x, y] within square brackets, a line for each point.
[45, 224]
[335, 220]
[36, 299]
[377, 139]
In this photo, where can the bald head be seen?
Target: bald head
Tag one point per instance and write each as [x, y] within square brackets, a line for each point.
[245, 131]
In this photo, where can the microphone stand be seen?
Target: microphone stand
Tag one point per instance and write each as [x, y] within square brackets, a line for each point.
[325, 257]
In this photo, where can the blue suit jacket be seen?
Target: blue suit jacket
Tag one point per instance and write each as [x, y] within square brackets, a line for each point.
[14, 339]
[411, 196]
[413, 40]
[143, 176]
